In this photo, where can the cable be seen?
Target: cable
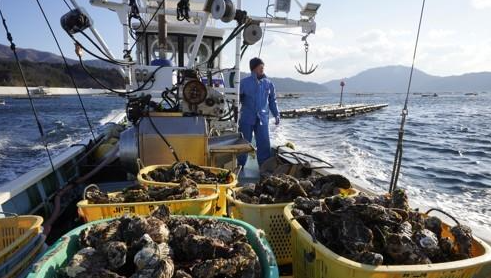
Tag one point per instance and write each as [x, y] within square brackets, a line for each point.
[283, 32]
[67, 69]
[140, 88]
[398, 156]
[164, 139]
[232, 35]
[38, 122]
[244, 48]
[298, 157]
[106, 59]
[183, 10]
[264, 30]
[146, 26]
[66, 3]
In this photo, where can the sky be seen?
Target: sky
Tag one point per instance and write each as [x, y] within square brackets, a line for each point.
[351, 36]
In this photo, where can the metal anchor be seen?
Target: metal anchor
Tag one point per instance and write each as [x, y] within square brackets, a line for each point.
[312, 68]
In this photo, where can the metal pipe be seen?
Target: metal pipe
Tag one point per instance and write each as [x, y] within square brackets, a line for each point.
[126, 42]
[238, 44]
[283, 21]
[98, 36]
[198, 40]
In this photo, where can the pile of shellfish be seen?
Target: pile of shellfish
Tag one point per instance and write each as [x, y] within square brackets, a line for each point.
[196, 173]
[187, 189]
[381, 229]
[160, 246]
[285, 188]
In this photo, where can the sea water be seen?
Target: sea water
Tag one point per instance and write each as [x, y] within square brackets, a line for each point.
[447, 142]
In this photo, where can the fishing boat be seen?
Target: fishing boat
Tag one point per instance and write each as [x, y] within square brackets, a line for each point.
[180, 106]
[37, 92]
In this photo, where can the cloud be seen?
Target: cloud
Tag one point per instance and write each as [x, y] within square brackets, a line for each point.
[440, 52]
[436, 34]
[481, 4]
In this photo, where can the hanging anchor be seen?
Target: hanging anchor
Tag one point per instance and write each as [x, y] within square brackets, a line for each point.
[312, 68]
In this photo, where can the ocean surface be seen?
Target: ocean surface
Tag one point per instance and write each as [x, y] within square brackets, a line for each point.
[447, 147]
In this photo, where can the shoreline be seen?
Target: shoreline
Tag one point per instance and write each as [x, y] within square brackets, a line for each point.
[12, 91]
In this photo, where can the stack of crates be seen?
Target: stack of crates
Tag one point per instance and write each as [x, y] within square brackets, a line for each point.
[21, 242]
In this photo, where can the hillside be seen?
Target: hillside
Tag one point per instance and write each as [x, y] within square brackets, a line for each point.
[54, 75]
[46, 69]
[292, 85]
[32, 55]
[395, 79]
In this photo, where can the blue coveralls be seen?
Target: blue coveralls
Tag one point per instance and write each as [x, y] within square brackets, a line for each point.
[257, 97]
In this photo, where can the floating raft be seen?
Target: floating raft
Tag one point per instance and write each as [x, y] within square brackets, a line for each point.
[332, 111]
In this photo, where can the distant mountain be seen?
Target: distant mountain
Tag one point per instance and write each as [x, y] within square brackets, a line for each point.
[54, 75]
[36, 56]
[381, 79]
[395, 79]
[292, 85]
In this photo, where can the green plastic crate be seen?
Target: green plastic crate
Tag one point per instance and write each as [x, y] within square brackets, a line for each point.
[57, 255]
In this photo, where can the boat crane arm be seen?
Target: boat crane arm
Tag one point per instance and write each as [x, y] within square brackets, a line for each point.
[99, 38]
[308, 25]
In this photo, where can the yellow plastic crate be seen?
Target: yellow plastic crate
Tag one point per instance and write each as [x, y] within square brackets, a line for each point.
[314, 260]
[200, 206]
[16, 232]
[222, 194]
[28, 260]
[270, 219]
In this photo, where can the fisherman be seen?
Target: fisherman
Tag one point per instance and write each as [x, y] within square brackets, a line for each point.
[257, 96]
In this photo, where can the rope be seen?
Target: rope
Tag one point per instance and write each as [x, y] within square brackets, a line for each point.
[66, 3]
[264, 31]
[140, 88]
[67, 69]
[19, 66]
[287, 33]
[398, 156]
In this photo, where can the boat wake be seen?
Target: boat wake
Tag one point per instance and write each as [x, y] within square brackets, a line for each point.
[464, 195]
[111, 116]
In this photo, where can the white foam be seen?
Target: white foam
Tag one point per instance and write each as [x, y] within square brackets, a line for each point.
[364, 165]
[111, 116]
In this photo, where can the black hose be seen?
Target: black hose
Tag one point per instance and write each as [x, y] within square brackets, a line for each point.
[107, 59]
[140, 88]
[232, 35]
[164, 139]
